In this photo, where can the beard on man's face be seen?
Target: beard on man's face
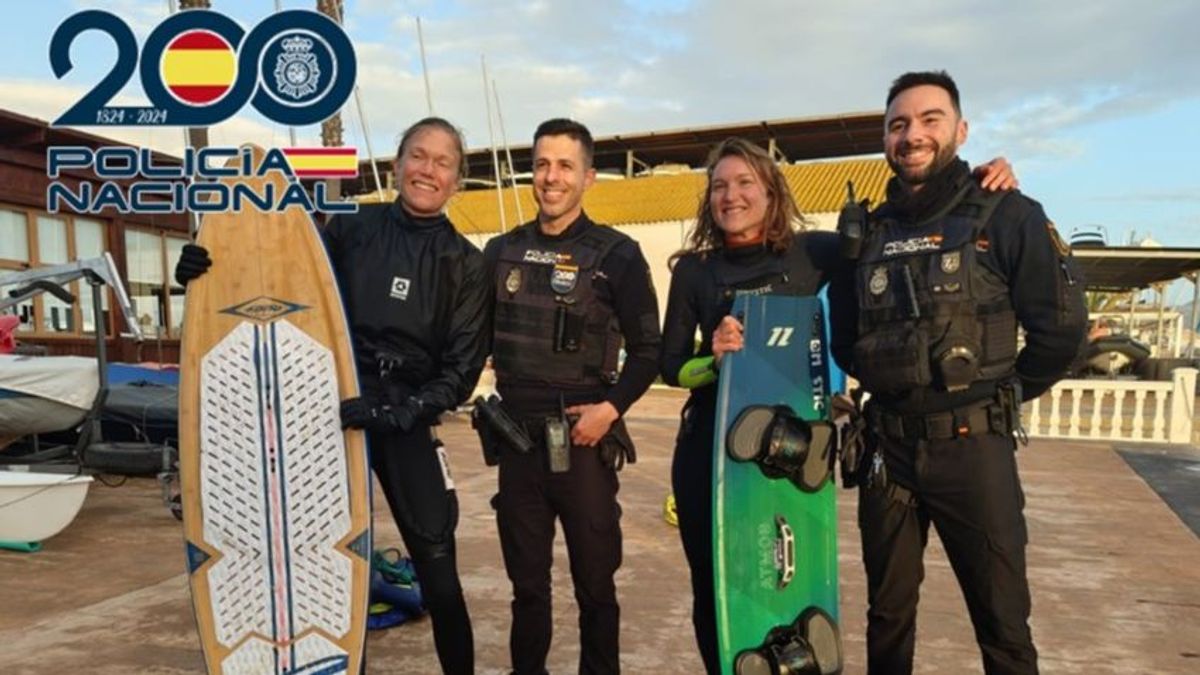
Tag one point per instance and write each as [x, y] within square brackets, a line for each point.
[918, 175]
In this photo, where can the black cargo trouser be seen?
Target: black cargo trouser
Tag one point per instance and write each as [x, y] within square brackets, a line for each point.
[426, 512]
[584, 499]
[969, 489]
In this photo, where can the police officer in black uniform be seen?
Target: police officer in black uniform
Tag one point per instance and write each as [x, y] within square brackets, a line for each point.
[567, 293]
[927, 321]
[415, 300]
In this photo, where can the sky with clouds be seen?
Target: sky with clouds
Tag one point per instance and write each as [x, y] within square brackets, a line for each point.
[1095, 101]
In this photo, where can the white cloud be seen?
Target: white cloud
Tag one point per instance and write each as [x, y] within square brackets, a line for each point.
[714, 62]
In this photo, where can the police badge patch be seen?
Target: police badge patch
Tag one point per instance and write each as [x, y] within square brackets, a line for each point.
[1059, 245]
[951, 262]
[879, 281]
[512, 282]
[564, 278]
[296, 69]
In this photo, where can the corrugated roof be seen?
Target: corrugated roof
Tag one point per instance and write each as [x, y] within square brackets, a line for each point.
[795, 139]
[819, 187]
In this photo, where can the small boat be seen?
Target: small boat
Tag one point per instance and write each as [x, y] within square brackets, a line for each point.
[1112, 354]
[40, 394]
[37, 506]
[1089, 237]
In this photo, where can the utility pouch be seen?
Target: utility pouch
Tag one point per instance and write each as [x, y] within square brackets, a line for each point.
[558, 444]
[1008, 398]
[568, 329]
[897, 360]
[957, 365]
[616, 448]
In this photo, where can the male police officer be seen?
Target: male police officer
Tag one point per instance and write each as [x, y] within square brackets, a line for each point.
[566, 292]
[927, 322]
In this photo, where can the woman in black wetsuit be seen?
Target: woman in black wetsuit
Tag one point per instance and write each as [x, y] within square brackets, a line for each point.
[749, 236]
[745, 239]
[415, 299]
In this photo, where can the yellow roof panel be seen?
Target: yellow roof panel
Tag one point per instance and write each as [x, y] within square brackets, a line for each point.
[819, 187]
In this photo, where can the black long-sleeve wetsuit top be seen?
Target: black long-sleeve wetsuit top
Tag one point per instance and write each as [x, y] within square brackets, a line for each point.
[698, 298]
[1044, 284]
[413, 288]
[626, 286]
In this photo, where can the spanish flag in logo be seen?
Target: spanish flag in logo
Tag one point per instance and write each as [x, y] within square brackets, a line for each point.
[323, 162]
[199, 67]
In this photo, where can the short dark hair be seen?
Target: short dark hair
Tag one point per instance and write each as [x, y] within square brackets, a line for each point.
[437, 123]
[937, 78]
[561, 126]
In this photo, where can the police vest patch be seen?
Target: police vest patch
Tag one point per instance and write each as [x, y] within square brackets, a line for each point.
[879, 281]
[512, 282]
[1059, 245]
[564, 278]
[545, 257]
[951, 262]
[914, 245]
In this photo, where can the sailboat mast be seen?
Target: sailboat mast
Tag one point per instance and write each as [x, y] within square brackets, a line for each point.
[487, 100]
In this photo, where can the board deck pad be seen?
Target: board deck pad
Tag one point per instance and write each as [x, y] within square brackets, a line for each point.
[275, 499]
[785, 361]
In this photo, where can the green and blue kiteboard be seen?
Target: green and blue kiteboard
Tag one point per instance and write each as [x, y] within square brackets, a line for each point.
[774, 506]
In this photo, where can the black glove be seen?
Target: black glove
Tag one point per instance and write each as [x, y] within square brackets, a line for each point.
[374, 416]
[193, 262]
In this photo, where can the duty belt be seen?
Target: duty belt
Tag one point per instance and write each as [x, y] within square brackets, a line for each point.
[969, 421]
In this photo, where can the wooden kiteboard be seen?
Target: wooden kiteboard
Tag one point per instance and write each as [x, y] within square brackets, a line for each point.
[276, 501]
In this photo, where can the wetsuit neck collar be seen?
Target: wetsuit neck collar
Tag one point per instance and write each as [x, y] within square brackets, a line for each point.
[417, 222]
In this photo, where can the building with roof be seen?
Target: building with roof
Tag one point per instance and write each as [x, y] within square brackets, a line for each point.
[649, 185]
[144, 248]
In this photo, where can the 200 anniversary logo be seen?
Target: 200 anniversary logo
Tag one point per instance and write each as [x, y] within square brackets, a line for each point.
[199, 68]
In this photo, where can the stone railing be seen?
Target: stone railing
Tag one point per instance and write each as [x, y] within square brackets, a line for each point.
[1116, 410]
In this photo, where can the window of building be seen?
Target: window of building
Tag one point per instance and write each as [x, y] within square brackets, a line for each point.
[157, 299]
[57, 316]
[14, 237]
[31, 239]
[89, 243]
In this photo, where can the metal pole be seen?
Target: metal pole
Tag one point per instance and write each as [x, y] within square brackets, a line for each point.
[291, 129]
[1158, 333]
[424, 68]
[362, 117]
[1132, 303]
[1195, 307]
[487, 100]
[512, 175]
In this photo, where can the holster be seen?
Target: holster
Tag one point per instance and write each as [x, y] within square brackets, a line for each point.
[487, 440]
[616, 448]
[497, 430]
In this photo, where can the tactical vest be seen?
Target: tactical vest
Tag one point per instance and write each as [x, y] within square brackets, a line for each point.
[551, 327]
[930, 315]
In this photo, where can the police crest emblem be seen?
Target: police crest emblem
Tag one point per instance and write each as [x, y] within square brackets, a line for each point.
[296, 69]
[564, 278]
[512, 282]
[951, 262]
[879, 281]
